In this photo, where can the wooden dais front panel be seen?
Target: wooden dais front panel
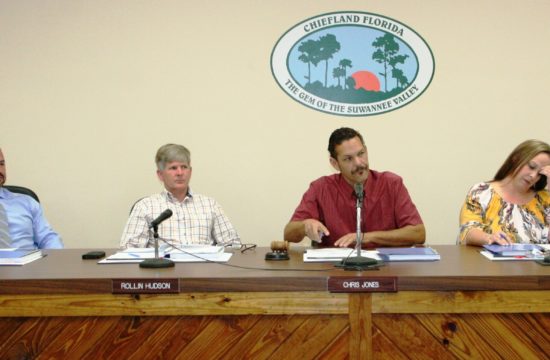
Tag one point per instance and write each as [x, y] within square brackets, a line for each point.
[394, 336]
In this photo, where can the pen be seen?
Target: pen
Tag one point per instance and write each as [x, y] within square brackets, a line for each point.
[503, 237]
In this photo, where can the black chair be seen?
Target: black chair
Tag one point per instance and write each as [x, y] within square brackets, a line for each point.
[22, 190]
[134, 204]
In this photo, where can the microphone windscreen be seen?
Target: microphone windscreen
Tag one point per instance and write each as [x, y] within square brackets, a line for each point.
[163, 216]
[167, 213]
[359, 190]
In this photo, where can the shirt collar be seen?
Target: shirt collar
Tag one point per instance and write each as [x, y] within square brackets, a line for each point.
[172, 198]
[4, 193]
[346, 188]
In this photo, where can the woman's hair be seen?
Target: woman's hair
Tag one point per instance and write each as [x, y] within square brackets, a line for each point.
[521, 156]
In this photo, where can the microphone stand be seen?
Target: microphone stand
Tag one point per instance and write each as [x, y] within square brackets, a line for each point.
[358, 262]
[156, 262]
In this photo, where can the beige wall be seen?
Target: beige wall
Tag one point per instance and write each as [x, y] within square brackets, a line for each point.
[90, 89]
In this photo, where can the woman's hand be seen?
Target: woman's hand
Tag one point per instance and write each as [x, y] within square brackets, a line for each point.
[499, 238]
[546, 172]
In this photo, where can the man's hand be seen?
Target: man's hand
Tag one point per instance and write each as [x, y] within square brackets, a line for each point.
[346, 240]
[315, 230]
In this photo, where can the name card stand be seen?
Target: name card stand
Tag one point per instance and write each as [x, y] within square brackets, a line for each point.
[146, 286]
[358, 284]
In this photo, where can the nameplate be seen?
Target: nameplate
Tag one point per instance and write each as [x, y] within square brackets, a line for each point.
[355, 284]
[146, 286]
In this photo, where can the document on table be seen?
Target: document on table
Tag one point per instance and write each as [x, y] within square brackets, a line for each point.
[514, 249]
[336, 254]
[489, 255]
[415, 253]
[190, 253]
[19, 256]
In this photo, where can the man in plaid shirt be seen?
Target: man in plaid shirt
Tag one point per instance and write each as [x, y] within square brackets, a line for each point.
[196, 219]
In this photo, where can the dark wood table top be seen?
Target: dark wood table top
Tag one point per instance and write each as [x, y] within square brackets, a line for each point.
[460, 268]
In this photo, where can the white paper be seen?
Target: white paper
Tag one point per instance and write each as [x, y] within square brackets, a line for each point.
[336, 254]
[202, 254]
[21, 260]
[489, 255]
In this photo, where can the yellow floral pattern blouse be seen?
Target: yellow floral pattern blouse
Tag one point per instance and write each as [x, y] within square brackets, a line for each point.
[485, 209]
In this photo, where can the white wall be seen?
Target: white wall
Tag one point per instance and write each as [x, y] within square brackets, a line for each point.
[90, 89]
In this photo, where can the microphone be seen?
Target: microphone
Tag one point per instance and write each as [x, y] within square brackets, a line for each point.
[359, 193]
[157, 262]
[163, 216]
[358, 262]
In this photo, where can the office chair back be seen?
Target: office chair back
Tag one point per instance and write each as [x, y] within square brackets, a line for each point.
[22, 190]
[135, 202]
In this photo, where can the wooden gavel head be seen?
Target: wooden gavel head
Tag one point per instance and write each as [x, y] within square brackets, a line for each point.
[279, 246]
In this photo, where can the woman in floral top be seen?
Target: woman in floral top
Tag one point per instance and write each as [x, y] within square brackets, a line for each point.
[515, 206]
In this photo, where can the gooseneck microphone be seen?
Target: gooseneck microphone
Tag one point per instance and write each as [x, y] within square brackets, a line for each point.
[157, 262]
[163, 216]
[358, 262]
[359, 193]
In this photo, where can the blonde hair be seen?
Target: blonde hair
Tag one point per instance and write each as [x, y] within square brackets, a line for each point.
[521, 156]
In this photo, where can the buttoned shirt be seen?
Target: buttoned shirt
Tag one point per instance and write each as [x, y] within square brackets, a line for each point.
[28, 227]
[331, 200]
[197, 219]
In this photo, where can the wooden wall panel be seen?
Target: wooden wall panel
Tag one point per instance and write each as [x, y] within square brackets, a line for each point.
[211, 303]
[338, 348]
[507, 338]
[404, 332]
[395, 336]
[383, 348]
[23, 338]
[265, 337]
[464, 336]
[313, 337]
[459, 338]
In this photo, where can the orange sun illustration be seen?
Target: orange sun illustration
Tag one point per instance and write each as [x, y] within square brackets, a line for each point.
[366, 80]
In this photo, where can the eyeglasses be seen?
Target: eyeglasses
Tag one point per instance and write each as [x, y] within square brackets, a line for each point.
[242, 247]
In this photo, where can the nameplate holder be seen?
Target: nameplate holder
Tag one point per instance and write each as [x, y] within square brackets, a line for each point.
[360, 284]
[146, 286]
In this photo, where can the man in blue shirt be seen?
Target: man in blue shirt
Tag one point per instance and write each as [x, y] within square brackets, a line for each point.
[28, 228]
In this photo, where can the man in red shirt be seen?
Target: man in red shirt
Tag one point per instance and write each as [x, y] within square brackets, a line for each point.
[327, 212]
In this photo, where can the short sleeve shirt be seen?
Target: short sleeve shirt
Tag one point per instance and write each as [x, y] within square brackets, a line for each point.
[387, 205]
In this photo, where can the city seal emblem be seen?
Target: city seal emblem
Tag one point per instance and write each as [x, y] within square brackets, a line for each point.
[352, 63]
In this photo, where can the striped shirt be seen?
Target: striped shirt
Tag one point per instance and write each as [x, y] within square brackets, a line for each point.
[196, 220]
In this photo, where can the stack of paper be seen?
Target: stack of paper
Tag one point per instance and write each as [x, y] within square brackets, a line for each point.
[197, 253]
[514, 251]
[188, 253]
[335, 254]
[19, 257]
[408, 254]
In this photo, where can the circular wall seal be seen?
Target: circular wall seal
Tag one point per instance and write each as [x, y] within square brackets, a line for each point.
[352, 63]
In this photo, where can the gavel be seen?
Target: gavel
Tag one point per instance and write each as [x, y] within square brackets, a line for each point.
[279, 251]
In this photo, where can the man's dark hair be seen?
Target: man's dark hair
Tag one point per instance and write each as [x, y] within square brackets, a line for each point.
[338, 136]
